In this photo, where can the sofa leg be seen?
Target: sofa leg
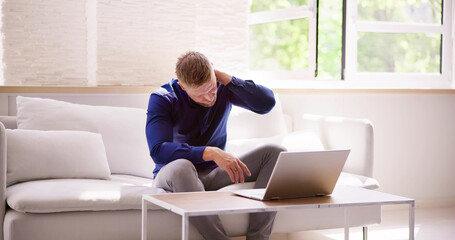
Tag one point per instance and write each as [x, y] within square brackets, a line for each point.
[365, 233]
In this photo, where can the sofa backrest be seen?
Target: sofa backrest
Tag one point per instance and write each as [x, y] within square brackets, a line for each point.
[244, 124]
[356, 134]
[122, 129]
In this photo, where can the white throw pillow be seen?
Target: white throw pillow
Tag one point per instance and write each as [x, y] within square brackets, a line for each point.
[244, 124]
[35, 154]
[123, 129]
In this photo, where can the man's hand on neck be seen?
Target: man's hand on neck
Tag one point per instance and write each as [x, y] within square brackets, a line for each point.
[222, 77]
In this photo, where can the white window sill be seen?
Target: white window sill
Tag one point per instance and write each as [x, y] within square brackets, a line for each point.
[346, 84]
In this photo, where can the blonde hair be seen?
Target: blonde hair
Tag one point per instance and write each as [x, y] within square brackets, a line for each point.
[193, 69]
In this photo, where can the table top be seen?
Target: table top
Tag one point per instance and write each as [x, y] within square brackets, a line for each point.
[219, 202]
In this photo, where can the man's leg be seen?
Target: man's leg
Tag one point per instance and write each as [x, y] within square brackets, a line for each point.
[181, 176]
[260, 162]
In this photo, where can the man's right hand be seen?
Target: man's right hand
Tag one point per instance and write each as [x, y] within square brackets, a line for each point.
[232, 165]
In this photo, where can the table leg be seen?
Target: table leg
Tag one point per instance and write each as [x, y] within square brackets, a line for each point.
[411, 220]
[365, 233]
[346, 223]
[185, 226]
[144, 219]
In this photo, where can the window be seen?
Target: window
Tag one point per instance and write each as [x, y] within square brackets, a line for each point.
[357, 40]
[403, 40]
[282, 38]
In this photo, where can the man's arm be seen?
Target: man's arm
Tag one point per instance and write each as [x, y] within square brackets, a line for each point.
[247, 94]
[232, 165]
[159, 132]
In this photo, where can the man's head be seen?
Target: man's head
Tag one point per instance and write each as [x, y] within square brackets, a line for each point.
[197, 77]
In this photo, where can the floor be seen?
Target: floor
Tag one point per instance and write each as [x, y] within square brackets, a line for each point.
[430, 224]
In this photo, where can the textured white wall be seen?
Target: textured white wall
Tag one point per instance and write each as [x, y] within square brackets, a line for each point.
[129, 42]
[140, 40]
[44, 42]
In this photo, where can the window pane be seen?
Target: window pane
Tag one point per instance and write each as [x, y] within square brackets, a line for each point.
[267, 5]
[399, 52]
[416, 11]
[279, 45]
[330, 38]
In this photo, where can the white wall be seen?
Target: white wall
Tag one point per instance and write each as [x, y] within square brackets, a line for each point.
[414, 138]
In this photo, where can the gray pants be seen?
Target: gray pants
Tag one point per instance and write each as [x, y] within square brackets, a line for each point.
[181, 176]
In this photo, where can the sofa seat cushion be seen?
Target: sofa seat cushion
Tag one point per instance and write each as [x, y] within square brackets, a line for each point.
[122, 192]
[64, 195]
[132, 180]
[345, 179]
[350, 179]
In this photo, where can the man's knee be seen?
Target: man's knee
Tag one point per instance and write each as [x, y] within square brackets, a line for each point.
[273, 149]
[181, 167]
[181, 170]
[180, 176]
[276, 148]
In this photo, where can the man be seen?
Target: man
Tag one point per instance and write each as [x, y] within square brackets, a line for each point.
[186, 134]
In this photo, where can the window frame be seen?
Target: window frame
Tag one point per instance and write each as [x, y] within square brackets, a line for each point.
[285, 14]
[354, 26]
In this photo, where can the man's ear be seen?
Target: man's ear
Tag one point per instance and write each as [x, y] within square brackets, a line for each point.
[181, 86]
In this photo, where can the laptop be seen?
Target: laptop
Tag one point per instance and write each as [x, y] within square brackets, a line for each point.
[301, 174]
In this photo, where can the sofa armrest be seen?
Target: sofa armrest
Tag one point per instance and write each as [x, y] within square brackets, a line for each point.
[2, 177]
[344, 133]
[9, 121]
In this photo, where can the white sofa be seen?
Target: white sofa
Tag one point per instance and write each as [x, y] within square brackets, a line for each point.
[51, 189]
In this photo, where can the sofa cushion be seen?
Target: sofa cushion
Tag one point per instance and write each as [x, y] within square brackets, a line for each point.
[244, 124]
[238, 147]
[132, 180]
[300, 141]
[350, 179]
[294, 141]
[64, 195]
[35, 154]
[122, 192]
[123, 129]
[345, 179]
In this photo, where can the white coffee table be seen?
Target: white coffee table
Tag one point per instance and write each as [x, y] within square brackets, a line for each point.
[214, 203]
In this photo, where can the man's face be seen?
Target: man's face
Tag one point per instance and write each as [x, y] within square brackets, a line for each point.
[204, 95]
